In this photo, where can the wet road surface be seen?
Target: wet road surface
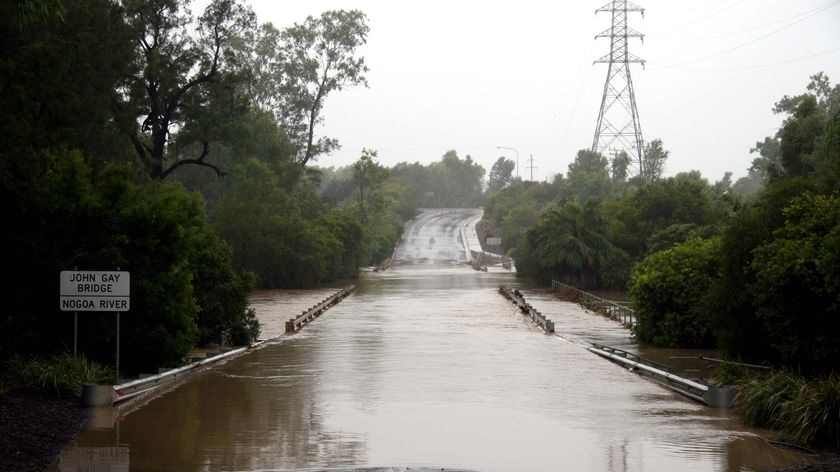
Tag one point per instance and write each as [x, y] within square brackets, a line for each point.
[428, 367]
[435, 237]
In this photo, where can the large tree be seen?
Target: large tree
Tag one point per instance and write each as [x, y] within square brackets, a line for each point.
[588, 176]
[653, 161]
[367, 175]
[501, 174]
[179, 58]
[319, 57]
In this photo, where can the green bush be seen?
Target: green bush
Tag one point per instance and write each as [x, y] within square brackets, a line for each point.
[807, 411]
[667, 290]
[797, 284]
[61, 374]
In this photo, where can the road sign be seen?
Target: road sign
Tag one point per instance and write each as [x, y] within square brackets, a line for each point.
[95, 290]
[491, 241]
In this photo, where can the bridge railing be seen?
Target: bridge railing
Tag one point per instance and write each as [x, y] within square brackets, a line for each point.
[660, 373]
[516, 297]
[610, 309]
[295, 324]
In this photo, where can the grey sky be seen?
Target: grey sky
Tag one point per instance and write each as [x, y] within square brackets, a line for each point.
[470, 76]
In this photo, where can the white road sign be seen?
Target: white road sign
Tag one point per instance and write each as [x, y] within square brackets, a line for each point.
[95, 290]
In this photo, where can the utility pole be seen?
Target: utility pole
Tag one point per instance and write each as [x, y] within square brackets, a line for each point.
[618, 119]
[531, 166]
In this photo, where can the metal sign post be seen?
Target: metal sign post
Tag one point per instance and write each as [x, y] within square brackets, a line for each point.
[118, 347]
[95, 290]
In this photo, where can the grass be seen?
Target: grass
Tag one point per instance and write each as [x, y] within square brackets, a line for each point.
[808, 411]
[61, 374]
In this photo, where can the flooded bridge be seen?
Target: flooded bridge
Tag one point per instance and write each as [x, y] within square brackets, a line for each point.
[425, 367]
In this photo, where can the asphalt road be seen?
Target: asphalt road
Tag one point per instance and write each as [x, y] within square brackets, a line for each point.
[435, 237]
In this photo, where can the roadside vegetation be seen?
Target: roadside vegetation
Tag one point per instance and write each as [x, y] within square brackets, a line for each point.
[751, 267]
[61, 374]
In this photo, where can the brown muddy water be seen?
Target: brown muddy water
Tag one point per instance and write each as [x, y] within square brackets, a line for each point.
[424, 367]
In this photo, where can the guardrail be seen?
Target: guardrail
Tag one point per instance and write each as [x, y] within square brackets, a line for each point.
[610, 309]
[128, 390]
[516, 297]
[721, 397]
[111, 394]
[295, 324]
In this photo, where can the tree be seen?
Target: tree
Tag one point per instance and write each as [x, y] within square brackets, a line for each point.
[587, 162]
[588, 176]
[368, 175]
[619, 166]
[686, 198]
[31, 12]
[59, 75]
[261, 49]
[799, 136]
[320, 57]
[653, 161]
[797, 284]
[768, 164]
[176, 70]
[568, 244]
[456, 182]
[500, 175]
[791, 151]
[667, 290]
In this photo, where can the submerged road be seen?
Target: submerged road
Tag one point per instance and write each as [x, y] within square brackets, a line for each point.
[426, 367]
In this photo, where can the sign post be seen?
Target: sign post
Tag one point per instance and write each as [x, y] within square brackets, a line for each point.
[95, 290]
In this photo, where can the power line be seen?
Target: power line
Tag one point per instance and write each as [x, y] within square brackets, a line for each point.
[571, 92]
[698, 20]
[761, 66]
[580, 96]
[669, 8]
[735, 33]
[672, 66]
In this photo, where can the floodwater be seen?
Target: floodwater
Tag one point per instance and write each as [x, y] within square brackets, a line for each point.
[426, 367]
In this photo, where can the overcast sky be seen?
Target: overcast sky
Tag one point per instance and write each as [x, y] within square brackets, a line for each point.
[474, 75]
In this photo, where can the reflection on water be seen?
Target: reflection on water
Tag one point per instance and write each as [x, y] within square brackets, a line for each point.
[429, 367]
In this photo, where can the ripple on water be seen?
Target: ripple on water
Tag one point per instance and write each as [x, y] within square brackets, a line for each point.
[429, 367]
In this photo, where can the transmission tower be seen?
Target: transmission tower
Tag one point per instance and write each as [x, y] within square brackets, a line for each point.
[618, 120]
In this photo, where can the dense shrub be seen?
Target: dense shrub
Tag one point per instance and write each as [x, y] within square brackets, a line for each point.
[667, 290]
[797, 284]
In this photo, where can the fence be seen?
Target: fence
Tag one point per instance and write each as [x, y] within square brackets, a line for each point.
[610, 309]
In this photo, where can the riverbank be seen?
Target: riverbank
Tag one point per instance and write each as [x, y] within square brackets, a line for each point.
[35, 428]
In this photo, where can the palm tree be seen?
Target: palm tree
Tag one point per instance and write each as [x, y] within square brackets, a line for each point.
[569, 243]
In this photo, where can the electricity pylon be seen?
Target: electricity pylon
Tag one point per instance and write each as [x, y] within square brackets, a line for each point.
[618, 121]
